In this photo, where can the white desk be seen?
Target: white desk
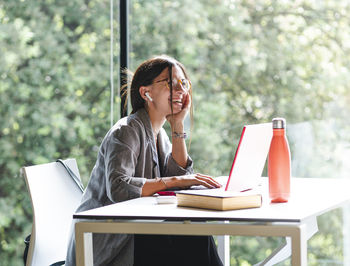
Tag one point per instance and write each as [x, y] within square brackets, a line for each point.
[296, 219]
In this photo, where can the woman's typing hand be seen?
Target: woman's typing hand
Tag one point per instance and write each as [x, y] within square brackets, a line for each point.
[187, 181]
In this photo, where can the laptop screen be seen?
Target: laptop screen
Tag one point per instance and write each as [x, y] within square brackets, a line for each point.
[250, 157]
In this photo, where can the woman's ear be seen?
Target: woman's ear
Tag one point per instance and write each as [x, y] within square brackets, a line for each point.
[144, 92]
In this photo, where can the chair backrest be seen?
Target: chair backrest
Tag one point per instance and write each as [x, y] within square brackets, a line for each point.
[55, 197]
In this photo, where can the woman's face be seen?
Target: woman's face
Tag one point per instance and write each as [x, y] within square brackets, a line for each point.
[160, 91]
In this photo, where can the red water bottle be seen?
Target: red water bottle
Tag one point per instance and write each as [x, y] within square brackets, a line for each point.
[279, 169]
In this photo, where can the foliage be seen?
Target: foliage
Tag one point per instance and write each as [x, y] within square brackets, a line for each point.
[251, 61]
[248, 60]
[53, 87]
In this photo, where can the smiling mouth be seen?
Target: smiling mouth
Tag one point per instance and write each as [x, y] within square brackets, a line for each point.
[177, 102]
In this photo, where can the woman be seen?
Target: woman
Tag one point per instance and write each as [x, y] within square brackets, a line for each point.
[137, 159]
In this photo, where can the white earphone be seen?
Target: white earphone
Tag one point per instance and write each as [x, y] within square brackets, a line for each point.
[148, 97]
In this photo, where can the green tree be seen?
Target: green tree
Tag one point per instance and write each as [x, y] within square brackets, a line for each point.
[249, 62]
[54, 85]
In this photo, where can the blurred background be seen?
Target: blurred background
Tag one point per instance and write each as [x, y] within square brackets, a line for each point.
[249, 61]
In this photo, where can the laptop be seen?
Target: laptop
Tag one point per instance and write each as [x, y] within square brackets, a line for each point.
[250, 157]
[249, 160]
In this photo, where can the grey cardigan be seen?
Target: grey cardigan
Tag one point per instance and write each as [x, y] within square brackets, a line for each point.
[126, 158]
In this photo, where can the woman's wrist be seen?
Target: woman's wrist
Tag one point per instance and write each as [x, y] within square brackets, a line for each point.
[177, 131]
[164, 183]
[179, 135]
[177, 126]
[170, 181]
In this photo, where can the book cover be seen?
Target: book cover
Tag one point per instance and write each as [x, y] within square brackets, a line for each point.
[218, 199]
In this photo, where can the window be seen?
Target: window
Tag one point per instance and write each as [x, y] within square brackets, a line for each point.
[54, 97]
[251, 61]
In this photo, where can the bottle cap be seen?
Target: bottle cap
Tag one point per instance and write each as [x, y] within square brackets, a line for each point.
[278, 122]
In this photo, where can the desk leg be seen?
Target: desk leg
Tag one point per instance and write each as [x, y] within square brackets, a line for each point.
[298, 244]
[299, 241]
[224, 249]
[285, 250]
[299, 247]
[83, 245]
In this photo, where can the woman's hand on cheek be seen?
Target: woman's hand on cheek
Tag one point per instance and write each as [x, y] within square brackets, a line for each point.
[180, 116]
[187, 103]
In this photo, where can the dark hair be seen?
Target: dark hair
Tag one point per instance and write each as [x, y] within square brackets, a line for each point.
[145, 75]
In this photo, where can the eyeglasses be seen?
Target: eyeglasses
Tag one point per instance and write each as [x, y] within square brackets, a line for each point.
[184, 84]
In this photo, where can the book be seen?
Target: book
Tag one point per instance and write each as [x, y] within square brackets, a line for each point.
[218, 199]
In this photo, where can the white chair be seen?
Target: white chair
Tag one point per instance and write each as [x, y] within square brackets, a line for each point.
[55, 197]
